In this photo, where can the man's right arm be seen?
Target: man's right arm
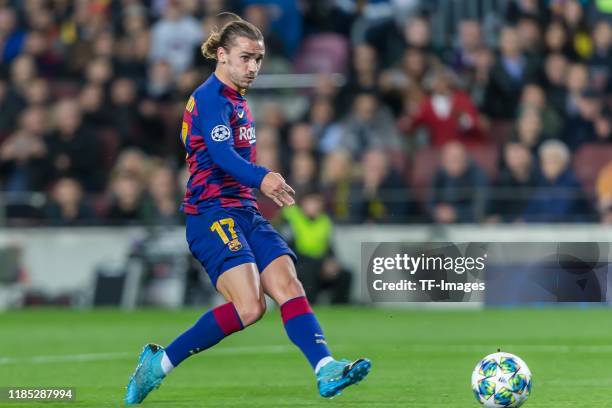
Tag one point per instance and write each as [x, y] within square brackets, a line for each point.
[214, 123]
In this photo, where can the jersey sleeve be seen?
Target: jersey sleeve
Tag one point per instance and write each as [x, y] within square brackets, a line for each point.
[214, 122]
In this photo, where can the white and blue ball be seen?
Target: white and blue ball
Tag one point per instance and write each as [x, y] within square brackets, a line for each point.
[501, 380]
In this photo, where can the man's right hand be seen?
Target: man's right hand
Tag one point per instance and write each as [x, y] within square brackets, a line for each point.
[274, 186]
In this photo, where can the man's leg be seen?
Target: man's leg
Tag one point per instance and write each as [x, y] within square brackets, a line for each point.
[245, 305]
[279, 281]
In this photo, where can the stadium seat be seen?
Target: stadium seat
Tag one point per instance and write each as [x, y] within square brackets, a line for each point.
[588, 161]
[424, 166]
[323, 53]
[487, 157]
[499, 131]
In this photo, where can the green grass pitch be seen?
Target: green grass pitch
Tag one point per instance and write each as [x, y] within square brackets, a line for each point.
[420, 358]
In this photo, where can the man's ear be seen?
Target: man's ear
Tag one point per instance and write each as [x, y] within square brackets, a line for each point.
[221, 55]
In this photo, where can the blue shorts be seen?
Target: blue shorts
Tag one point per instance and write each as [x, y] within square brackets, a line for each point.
[221, 238]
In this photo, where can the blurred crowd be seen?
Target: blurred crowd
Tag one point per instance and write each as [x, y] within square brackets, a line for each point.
[446, 111]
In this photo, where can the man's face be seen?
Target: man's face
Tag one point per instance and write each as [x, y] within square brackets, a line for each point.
[242, 61]
[552, 165]
[454, 159]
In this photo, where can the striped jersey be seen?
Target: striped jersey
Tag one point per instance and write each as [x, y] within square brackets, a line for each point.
[218, 132]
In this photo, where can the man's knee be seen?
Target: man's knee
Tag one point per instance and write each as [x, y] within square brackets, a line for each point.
[294, 287]
[287, 289]
[250, 311]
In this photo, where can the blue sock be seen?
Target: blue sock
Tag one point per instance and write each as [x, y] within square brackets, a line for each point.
[210, 329]
[303, 329]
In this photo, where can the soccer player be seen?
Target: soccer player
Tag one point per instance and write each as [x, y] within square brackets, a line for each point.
[241, 252]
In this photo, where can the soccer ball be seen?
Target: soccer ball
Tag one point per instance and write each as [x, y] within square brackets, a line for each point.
[501, 380]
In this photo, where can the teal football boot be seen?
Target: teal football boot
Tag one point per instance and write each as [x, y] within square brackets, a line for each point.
[335, 376]
[147, 376]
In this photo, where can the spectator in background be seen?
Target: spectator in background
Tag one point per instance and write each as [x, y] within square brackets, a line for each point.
[559, 196]
[458, 191]
[477, 81]
[302, 171]
[533, 97]
[336, 181]
[35, 121]
[67, 206]
[160, 84]
[301, 140]
[132, 161]
[268, 147]
[529, 36]
[392, 39]
[508, 76]
[528, 130]
[74, 150]
[415, 65]
[363, 76]
[174, 37]
[285, 22]
[515, 185]
[576, 83]
[310, 235]
[126, 206]
[23, 72]
[322, 119]
[576, 25]
[603, 129]
[47, 60]
[99, 71]
[368, 126]
[152, 128]
[380, 195]
[580, 128]
[556, 41]
[470, 41]
[555, 72]
[600, 63]
[12, 38]
[124, 114]
[401, 87]
[274, 117]
[259, 16]
[132, 50]
[91, 101]
[37, 92]
[23, 155]
[160, 206]
[448, 113]
[604, 193]
[104, 45]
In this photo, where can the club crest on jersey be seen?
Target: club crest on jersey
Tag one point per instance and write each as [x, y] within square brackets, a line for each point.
[220, 133]
[234, 245]
[247, 133]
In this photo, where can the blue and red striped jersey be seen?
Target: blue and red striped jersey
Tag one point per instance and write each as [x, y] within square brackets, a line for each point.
[218, 132]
